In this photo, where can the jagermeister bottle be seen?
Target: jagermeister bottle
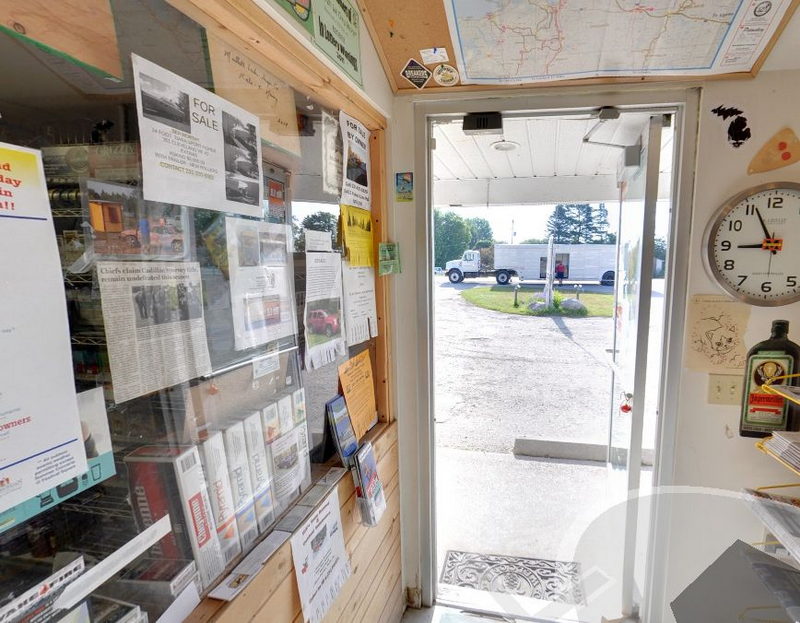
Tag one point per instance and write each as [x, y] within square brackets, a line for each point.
[764, 413]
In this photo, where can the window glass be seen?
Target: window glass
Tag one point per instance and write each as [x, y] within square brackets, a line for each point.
[191, 379]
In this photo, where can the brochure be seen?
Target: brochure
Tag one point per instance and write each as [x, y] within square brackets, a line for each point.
[343, 436]
[369, 487]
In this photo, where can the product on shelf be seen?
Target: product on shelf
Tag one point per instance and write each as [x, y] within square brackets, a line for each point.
[259, 470]
[215, 466]
[241, 483]
[169, 479]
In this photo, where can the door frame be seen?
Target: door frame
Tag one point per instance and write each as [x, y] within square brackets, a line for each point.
[684, 101]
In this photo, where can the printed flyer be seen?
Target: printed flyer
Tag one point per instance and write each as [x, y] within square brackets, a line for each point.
[262, 288]
[323, 314]
[356, 228]
[355, 179]
[331, 156]
[198, 149]
[361, 316]
[320, 560]
[388, 259]
[41, 443]
[99, 457]
[153, 314]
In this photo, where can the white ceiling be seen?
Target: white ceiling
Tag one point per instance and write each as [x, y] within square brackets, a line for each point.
[551, 164]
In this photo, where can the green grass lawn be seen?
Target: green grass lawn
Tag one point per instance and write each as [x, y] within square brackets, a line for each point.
[501, 298]
[314, 339]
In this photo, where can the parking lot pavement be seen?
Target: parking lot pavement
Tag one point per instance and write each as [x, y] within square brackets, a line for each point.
[501, 376]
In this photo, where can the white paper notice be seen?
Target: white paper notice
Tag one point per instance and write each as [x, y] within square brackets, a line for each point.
[262, 288]
[355, 178]
[361, 317]
[198, 149]
[153, 314]
[318, 240]
[323, 314]
[320, 560]
[41, 444]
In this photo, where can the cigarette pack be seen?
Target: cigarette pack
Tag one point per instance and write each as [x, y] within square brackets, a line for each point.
[215, 465]
[259, 471]
[241, 483]
[182, 471]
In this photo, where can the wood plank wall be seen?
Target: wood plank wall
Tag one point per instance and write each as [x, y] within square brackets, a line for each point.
[374, 592]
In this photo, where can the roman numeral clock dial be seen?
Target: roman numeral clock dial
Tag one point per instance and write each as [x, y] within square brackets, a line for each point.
[753, 245]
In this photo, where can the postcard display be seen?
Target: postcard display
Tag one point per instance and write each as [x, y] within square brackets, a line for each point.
[187, 351]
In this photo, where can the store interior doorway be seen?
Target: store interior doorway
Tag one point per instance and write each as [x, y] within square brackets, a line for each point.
[533, 434]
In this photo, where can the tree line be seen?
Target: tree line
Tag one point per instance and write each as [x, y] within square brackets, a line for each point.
[570, 223]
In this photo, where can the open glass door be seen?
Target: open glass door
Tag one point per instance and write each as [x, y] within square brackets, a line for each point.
[638, 197]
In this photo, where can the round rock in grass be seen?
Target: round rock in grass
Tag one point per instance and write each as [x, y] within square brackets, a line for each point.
[537, 306]
[572, 305]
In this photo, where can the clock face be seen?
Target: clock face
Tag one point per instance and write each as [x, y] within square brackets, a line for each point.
[753, 245]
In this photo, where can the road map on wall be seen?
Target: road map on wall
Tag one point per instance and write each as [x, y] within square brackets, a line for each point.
[523, 41]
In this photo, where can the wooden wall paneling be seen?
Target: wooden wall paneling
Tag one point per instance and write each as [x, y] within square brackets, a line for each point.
[283, 608]
[381, 591]
[394, 609]
[255, 32]
[380, 220]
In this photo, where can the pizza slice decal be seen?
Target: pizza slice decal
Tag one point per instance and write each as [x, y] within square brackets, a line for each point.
[779, 151]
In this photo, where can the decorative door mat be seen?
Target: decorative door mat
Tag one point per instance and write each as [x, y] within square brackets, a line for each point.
[549, 580]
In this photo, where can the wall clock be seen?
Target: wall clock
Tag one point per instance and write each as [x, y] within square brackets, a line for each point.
[752, 245]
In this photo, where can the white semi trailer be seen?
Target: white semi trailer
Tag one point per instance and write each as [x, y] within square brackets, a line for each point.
[583, 262]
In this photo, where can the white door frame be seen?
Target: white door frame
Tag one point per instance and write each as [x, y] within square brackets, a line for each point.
[551, 101]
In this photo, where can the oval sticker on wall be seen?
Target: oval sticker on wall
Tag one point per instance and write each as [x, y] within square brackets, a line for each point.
[446, 75]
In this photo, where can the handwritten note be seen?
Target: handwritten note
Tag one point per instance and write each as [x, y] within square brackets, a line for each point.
[243, 81]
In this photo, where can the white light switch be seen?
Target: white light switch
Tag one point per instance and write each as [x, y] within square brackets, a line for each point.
[725, 389]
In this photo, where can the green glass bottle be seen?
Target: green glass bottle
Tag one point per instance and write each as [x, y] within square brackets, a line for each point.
[762, 413]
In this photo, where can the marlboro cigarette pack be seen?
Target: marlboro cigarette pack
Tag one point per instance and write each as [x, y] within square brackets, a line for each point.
[259, 470]
[241, 483]
[215, 465]
[181, 470]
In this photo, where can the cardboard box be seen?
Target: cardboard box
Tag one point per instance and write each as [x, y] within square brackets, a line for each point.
[241, 483]
[215, 465]
[260, 474]
[181, 470]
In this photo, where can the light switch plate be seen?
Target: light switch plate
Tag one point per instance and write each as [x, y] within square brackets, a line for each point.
[725, 389]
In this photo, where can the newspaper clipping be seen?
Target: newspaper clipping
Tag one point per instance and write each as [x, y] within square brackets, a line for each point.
[262, 294]
[153, 313]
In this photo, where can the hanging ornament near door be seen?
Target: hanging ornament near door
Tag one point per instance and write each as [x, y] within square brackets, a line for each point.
[626, 406]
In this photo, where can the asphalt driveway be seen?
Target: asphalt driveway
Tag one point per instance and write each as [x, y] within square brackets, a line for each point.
[501, 376]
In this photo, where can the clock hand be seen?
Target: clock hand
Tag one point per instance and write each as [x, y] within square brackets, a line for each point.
[760, 245]
[763, 224]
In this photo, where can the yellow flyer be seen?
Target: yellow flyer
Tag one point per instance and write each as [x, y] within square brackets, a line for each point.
[356, 228]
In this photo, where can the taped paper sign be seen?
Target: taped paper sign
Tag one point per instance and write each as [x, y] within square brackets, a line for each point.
[355, 182]
[240, 79]
[323, 314]
[198, 149]
[361, 316]
[356, 228]
[716, 326]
